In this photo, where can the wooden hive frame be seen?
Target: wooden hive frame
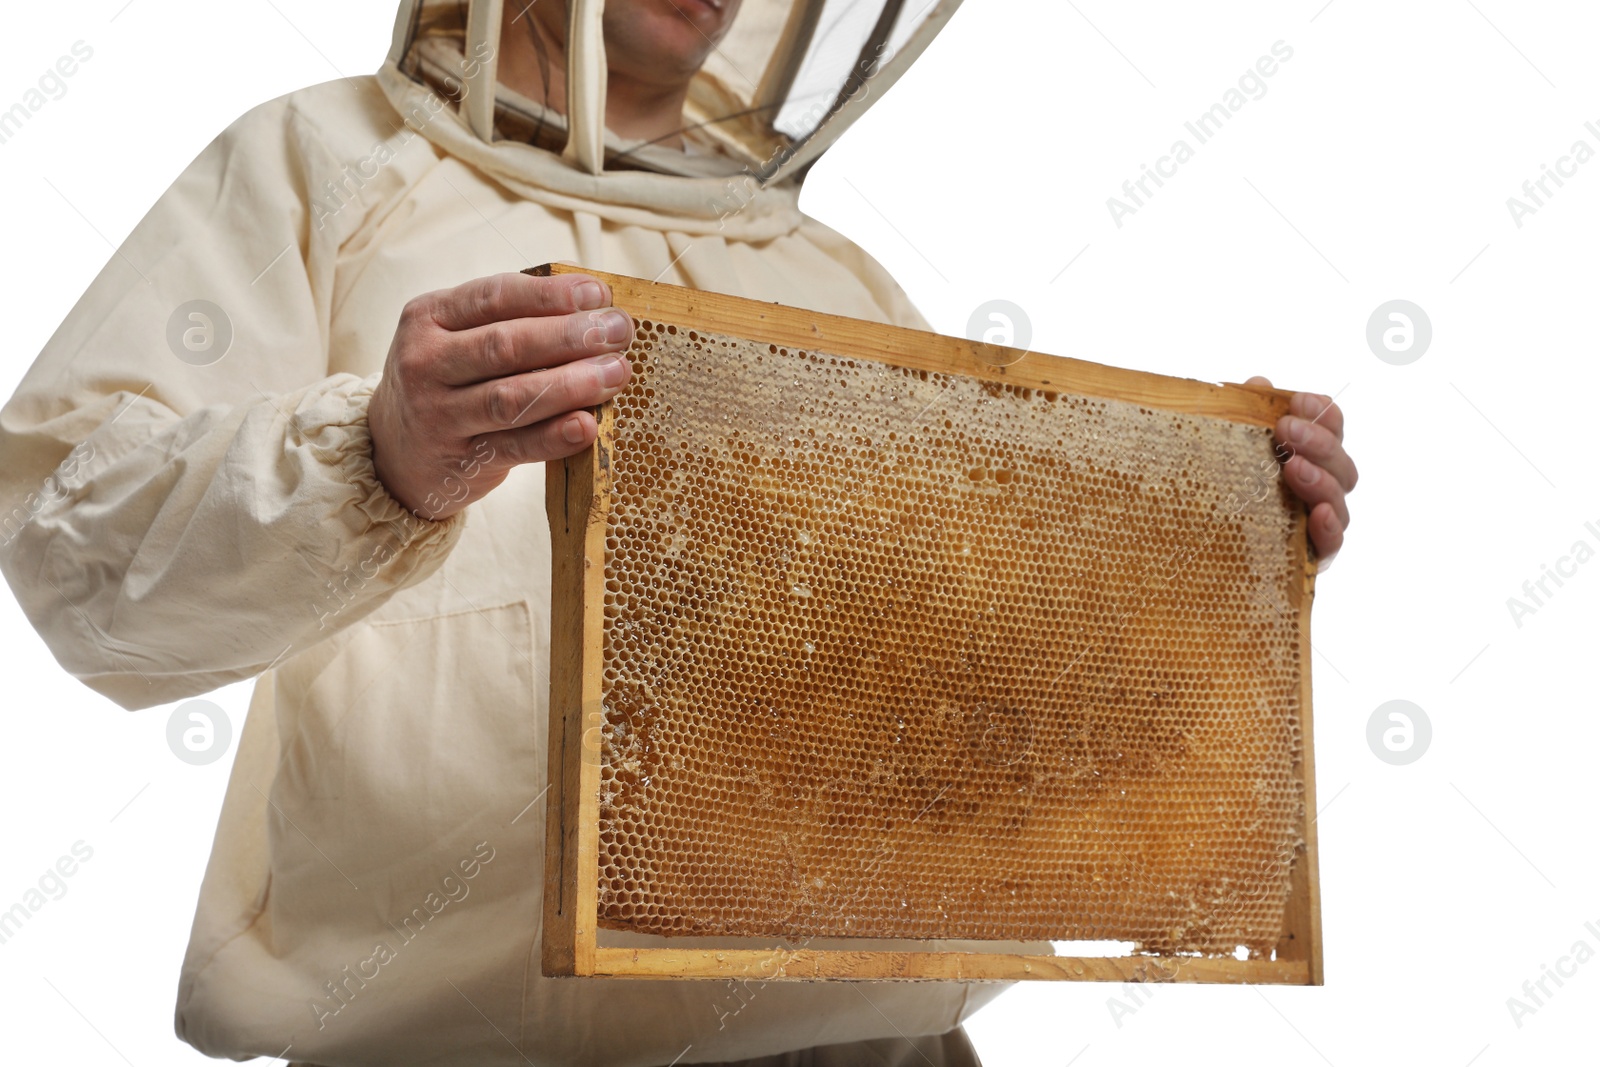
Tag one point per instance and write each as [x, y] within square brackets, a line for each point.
[576, 497]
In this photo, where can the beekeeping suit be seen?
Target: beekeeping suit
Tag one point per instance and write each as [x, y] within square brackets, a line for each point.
[191, 501]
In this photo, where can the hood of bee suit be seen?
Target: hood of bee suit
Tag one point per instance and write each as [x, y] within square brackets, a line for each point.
[786, 79]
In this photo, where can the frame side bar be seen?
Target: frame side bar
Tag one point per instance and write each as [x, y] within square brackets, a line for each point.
[577, 494]
[1302, 939]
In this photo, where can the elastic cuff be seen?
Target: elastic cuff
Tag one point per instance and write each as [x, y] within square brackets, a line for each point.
[335, 423]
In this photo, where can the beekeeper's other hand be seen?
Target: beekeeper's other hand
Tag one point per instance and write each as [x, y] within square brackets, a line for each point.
[493, 373]
[1318, 470]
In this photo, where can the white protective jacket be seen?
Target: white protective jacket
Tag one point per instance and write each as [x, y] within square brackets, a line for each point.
[374, 890]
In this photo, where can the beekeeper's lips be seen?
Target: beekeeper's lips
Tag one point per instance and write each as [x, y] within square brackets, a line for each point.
[708, 15]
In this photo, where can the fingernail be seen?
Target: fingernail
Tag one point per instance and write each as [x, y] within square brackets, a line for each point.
[572, 430]
[589, 295]
[613, 370]
[613, 325]
[1298, 431]
[1309, 473]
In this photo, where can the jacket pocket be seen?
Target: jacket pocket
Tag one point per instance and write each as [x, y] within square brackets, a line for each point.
[403, 724]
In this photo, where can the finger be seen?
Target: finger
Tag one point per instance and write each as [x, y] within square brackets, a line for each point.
[1327, 533]
[1316, 486]
[555, 438]
[524, 399]
[1311, 440]
[514, 296]
[1320, 410]
[1259, 380]
[523, 345]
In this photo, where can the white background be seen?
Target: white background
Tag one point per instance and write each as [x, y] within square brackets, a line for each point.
[1377, 166]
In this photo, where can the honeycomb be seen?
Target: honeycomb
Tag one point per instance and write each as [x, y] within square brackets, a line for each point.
[893, 653]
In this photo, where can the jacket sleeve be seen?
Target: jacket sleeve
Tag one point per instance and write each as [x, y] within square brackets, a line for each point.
[187, 493]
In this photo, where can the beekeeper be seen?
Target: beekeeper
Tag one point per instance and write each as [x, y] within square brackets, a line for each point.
[294, 431]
